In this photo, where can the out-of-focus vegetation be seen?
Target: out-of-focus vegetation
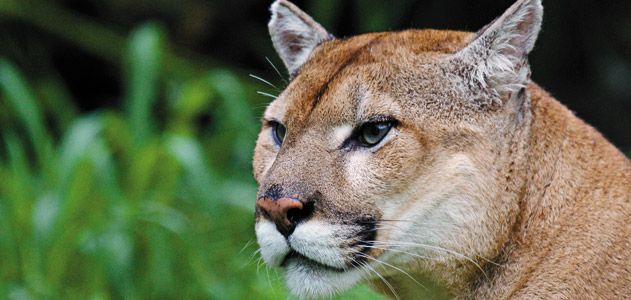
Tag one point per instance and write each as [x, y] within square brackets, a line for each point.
[124, 203]
[150, 198]
[125, 153]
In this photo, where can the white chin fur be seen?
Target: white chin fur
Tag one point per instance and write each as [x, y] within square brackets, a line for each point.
[318, 241]
[273, 245]
[308, 280]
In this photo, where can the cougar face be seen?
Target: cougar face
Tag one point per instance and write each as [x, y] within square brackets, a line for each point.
[381, 155]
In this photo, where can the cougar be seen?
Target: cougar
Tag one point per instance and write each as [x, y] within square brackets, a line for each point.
[426, 163]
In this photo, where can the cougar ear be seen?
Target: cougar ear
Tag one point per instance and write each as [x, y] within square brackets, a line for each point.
[294, 34]
[498, 55]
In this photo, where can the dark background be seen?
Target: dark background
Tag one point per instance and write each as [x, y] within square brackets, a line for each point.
[583, 55]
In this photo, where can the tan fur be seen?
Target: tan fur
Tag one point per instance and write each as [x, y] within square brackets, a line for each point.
[523, 189]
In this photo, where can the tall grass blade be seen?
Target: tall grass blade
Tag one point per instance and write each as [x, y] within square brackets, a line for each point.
[144, 55]
[22, 100]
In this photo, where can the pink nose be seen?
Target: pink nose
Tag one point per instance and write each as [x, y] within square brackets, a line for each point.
[281, 211]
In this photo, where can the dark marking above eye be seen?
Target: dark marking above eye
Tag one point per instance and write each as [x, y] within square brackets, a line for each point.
[349, 60]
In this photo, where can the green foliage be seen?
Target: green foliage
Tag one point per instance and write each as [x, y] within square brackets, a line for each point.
[135, 202]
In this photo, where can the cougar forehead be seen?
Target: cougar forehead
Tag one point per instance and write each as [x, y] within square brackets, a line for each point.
[372, 60]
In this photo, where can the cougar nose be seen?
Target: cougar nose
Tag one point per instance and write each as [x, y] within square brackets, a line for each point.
[285, 212]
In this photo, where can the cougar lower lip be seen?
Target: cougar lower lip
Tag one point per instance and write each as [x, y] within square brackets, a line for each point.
[306, 260]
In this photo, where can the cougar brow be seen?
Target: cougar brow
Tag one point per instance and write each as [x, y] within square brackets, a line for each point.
[349, 61]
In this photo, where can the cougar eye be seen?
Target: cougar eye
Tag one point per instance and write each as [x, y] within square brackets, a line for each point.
[278, 132]
[371, 134]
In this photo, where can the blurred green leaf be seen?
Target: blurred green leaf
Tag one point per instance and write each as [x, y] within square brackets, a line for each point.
[20, 97]
[193, 99]
[78, 143]
[201, 181]
[233, 138]
[143, 73]
[22, 100]
[57, 100]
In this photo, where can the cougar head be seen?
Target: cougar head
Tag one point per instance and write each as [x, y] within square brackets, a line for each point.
[381, 157]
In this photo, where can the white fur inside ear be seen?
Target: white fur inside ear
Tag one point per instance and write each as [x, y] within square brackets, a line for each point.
[499, 52]
[294, 34]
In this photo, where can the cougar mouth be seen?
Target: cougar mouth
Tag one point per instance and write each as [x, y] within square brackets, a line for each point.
[304, 260]
[320, 258]
[357, 253]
